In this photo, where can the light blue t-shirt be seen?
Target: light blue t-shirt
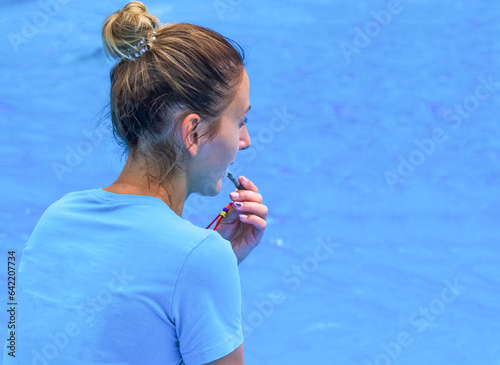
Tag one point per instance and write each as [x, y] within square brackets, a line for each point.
[121, 279]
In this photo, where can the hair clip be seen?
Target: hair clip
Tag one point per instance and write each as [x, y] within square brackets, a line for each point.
[142, 47]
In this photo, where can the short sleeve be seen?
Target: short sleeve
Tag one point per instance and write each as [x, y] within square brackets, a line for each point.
[206, 302]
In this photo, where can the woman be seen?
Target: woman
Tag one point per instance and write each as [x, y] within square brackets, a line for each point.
[115, 275]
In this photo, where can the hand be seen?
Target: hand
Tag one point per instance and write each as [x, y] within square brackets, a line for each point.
[244, 225]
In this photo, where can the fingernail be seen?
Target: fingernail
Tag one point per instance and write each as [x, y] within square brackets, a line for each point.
[244, 179]
[243, 216]
[238, 204]
[234, 195]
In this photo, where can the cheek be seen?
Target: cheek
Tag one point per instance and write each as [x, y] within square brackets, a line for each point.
[224, 149]
[236, 144]
[232, 141]
[226, 144]
[236, 139]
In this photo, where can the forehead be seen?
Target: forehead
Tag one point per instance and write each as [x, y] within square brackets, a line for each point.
[241, 99]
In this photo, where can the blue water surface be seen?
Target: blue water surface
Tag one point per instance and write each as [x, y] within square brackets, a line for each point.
[376, 146]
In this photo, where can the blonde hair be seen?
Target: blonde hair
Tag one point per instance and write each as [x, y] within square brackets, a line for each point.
[187, 69]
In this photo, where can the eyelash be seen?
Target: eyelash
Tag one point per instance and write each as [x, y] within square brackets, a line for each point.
[244, 122]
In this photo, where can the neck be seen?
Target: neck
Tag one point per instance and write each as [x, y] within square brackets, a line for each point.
[132, 180]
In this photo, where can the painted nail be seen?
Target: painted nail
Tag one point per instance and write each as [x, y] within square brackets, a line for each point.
[243, 216]
[235, 195]
[238, 204]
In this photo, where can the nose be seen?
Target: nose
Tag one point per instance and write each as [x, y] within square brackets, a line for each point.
[244, 138]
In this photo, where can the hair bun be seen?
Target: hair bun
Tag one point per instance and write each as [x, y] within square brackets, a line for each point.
[127, 27]
[135, 7]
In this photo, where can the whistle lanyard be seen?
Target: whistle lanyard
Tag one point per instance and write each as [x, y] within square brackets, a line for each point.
[220, 216]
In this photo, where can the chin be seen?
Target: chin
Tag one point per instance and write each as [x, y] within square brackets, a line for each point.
[217, 189]
[211, 190]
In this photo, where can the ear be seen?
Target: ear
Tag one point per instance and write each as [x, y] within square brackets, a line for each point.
[191, 130]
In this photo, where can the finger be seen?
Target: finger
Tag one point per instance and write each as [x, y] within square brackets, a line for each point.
[247, 184]
[246, 195]
[251, 208]
[256, 221]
